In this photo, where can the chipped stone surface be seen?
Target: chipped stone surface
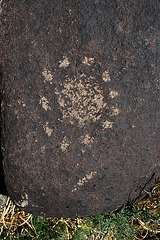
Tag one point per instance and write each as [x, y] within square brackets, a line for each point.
[113, 93]
[64, 63]
[45, 103]
[81, 100]
[88, 61]
[114, 111]
[64, 144]
[48, 77]
[80, 112]
[87, 139]
[84, 180]
[47, 129]
[105, 76]
[107, 124]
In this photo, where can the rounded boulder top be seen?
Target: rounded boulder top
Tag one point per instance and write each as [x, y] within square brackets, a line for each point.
[80, 103]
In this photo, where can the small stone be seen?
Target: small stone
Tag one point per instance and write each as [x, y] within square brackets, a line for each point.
[3, 200]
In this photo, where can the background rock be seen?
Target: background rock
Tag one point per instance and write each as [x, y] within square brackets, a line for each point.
[80, 103]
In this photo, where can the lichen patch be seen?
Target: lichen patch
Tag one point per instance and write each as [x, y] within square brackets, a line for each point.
[107, 124]
[48, 77]
[64, 144]
[45, 103]
[113, 93]
[24, 201]
[47, 129]
[84, 180]
[81, 99]
[88, 61]
[105, 76]
[87, 139]
[65, 63]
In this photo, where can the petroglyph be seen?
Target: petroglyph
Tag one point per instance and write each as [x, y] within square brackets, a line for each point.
[88, 61]
[84, 180]
[106, 77]
[113, 93]
[81, 100]
[107, 124]
[48, 77]
[87, 139]
[44, 102]
[20, 102]
[47, 129]
[64, 144]
[65, 63]
[114, 111]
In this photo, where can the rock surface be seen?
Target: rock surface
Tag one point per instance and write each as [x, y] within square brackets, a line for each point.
[80, 103]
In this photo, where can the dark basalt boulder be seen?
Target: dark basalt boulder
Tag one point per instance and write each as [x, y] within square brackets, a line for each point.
[80, 103]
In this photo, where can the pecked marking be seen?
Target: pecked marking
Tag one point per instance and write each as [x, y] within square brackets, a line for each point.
[48, 77]
[88, 61]
[47, 129]
[113, 93]
[105, 76]
[87, 139]
[81, 100]
[84, 180]
[65, 63]
[114, 111]
[44, 102]
[64, 144]
[107, 124]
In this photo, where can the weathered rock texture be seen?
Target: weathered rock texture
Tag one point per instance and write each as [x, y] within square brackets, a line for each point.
[80, 103]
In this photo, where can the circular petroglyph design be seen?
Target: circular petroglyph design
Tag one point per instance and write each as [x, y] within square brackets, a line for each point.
[82, 98]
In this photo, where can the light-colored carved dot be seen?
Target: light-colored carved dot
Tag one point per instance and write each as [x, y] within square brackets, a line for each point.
[113, 93]
[21, 102]
[114, 111]
[88, 61]
[107, 124]
[64, 144]
[48, 77]
[84, 180]
[65, 63]
[47, 129]
[81, 100]
[87, 139]
[105, 76]
[44, 102]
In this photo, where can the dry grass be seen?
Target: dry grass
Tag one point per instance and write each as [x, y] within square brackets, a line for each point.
[11, 218]
[145, 218]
